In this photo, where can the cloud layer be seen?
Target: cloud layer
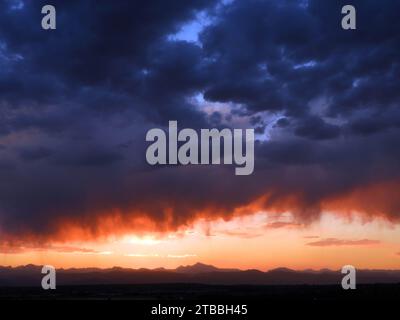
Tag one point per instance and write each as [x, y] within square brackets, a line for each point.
[342, 242]
[75, 105]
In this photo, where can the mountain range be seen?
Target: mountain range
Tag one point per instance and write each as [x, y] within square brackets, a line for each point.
[30, 275]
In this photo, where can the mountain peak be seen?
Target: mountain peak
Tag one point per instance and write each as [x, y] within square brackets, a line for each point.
[196, 268]
[202, 268]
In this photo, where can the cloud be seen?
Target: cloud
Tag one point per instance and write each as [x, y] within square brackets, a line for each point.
[18, 249]
[341, 242]
[76, 103]
[240, 234]
[282, 224]
[181, 256]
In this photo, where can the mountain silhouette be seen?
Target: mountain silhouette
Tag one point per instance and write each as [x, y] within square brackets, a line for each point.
[30, 275]
[201, 268]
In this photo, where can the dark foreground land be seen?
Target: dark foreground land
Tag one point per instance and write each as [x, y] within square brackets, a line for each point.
[181, 292]
[138, 301]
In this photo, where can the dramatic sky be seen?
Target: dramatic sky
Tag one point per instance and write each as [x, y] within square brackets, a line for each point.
[76, 103]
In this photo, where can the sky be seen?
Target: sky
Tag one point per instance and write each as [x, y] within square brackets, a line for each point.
[76, 103]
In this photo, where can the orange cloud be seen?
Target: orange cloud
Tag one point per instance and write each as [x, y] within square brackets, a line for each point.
[240, 234]
[281, 224]
[340, 242]
[162, 215]
[18, 249]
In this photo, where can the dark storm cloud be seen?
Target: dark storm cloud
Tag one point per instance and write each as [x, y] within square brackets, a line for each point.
[76, 102]
[30, 154]
[280, 56]
[101, 54]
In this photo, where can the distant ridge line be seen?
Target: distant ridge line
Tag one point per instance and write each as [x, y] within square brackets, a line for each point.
[30, 275]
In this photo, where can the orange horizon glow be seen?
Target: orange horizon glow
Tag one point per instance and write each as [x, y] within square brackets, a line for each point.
[259, 241]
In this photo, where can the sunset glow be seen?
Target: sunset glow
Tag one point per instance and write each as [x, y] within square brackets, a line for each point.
[259, 241]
